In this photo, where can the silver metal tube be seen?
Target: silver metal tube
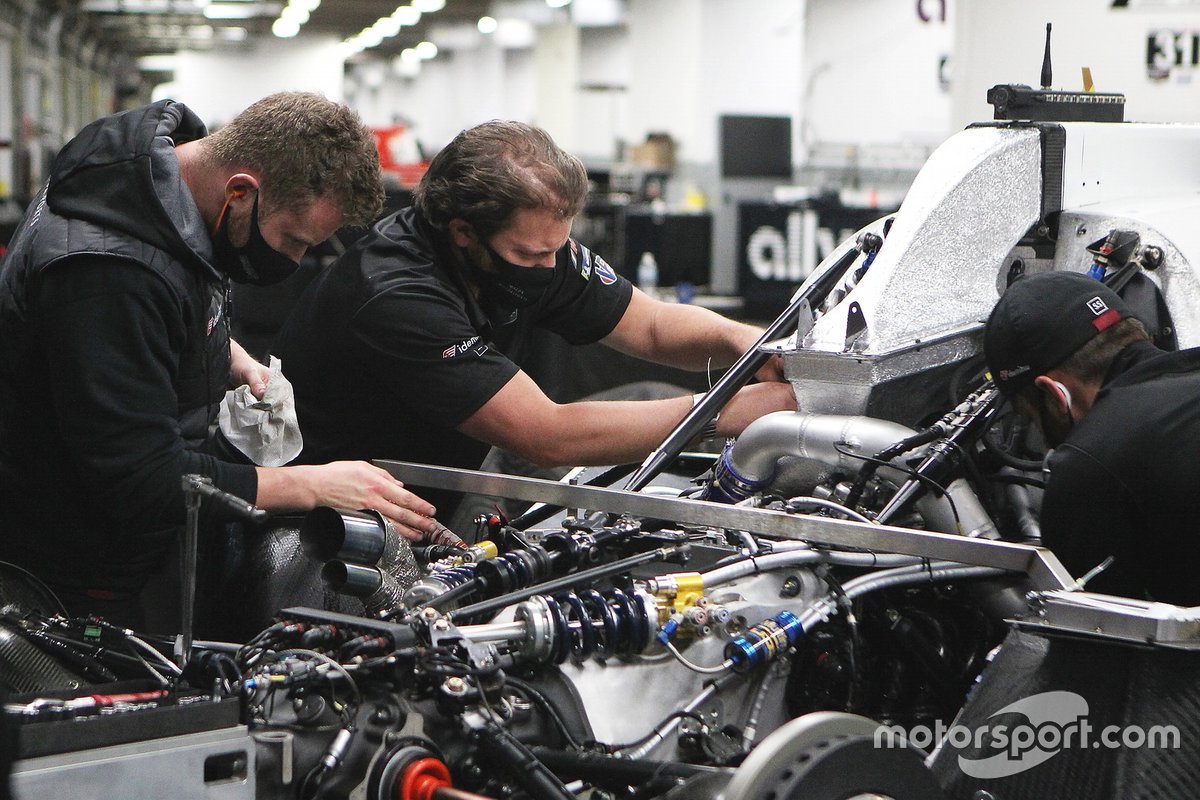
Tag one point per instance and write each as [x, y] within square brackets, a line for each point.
[495, 631]
[187, 576]
[1043, 568]
[835, 440]
[796, 557]
[888, 579]
[821, 437]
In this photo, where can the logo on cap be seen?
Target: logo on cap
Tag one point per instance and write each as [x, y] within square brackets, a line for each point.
[1010, 374]
[1097, 306]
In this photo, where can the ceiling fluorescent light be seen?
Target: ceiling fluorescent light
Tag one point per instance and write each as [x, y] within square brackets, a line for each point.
[406, 15]
[296, 14]
[285, 27]
[232, 10]
[386, 27]
[158, 62]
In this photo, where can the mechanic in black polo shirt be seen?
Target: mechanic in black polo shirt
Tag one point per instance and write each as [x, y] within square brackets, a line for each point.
[398, 350]
[1124, 420]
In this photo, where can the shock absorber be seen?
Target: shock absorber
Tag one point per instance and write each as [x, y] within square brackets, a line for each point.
[439, 583]
[582, 624]
[763, 642]
[559, 553]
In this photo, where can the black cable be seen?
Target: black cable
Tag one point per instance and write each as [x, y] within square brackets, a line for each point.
[678, 714]
[1020, 427]
[313, 778]
[973, 474]
[547, 707]
[39, 584]
[912, 473]
[532, 775]
[957, 378]
[852, 626]
[1020, 480]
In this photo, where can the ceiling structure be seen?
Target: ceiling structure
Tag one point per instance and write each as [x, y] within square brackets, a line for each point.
[145, 27]
[348, 17]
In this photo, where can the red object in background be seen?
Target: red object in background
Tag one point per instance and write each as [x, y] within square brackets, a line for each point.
[400, 154]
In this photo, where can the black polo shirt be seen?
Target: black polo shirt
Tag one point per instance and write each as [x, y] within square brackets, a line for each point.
[388, 350]
[1124, 482]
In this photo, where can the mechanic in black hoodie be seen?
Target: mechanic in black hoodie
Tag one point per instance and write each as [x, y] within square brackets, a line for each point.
[114, 336]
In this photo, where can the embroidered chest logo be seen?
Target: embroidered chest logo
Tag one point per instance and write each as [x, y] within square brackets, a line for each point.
[216, 309]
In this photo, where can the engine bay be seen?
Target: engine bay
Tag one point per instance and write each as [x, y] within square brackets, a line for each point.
[735, 625]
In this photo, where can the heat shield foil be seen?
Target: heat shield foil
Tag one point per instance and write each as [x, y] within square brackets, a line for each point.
[929, 290]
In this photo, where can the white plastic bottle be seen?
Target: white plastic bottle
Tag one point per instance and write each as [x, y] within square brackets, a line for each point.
[647, 273]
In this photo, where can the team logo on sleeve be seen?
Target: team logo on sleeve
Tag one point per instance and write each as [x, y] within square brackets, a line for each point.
[463, 346]
[586, 263]
[603, 271]
[581, 259]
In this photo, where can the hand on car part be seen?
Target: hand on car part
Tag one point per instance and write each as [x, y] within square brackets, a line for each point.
[752, 402]
[771, 371]
[348, 485]
[357, 484]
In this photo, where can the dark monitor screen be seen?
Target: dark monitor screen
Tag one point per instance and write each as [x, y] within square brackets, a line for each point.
[756, 147]
[681, 244]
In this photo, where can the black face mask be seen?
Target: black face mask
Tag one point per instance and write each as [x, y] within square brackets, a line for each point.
[513, 284]
[254, 262]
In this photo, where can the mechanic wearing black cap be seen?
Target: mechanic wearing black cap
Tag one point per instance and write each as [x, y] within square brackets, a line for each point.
[1123, 418]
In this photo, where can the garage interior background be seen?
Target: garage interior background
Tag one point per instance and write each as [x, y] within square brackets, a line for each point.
[859, 93]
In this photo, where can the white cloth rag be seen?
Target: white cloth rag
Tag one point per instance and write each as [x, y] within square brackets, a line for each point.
[265, 431]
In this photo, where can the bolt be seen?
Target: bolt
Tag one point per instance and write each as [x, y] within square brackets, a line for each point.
[441, 625]
[454, 685]
[791, 587]
[429, 613]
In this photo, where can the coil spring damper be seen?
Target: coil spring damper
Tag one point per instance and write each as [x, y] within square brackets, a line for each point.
[593, 623]
[437, 584]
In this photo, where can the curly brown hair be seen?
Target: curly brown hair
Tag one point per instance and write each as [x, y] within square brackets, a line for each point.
[303, 146]
[490, 171]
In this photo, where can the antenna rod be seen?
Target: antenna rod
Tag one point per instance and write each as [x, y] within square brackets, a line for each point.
[1046, 75]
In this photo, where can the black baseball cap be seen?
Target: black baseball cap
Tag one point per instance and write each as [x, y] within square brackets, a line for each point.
[1041, 320]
